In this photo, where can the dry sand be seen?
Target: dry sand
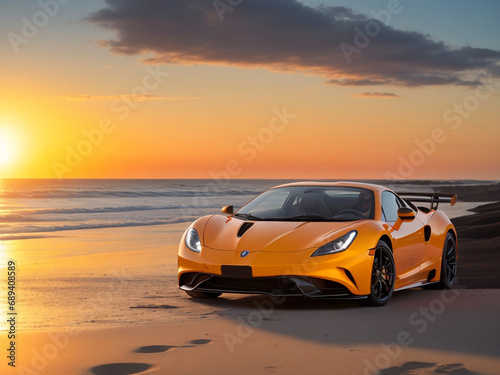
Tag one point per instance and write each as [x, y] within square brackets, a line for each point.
[111, 305]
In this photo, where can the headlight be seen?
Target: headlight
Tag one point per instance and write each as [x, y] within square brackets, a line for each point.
[336, 246]
[193, 240]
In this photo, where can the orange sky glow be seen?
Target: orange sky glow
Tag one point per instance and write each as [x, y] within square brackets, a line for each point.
[72, 106]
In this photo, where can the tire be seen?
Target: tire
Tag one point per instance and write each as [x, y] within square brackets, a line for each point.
[448, 263]
[383, 276]
[204, 295]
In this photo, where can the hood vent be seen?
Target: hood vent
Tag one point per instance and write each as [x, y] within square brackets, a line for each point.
[244, 227]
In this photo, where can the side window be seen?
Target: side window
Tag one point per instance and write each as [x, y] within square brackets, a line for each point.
[390, 206]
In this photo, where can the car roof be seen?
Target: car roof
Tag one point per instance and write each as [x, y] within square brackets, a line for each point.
[361, 185]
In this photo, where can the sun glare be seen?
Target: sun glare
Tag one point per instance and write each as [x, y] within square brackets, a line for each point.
[4, 154]
[6, 147]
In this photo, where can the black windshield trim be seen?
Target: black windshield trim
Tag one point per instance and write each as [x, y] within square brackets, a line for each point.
[312, 220]
[248, 217]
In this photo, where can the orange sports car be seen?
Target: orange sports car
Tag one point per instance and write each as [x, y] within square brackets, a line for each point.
[322, 240]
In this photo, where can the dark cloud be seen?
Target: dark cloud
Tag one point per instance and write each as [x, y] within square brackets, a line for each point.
[346, 47]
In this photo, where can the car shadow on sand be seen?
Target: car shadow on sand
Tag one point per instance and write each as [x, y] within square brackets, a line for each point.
[428, 319]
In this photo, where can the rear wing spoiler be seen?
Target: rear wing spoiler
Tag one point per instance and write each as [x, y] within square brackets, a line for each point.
[433, 198]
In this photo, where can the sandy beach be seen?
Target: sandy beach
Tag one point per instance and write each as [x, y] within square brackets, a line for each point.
[295, 337]
[105, 301]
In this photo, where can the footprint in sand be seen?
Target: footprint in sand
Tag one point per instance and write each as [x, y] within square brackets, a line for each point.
[164, 348]
[135, 368]
[417, 368]
[200, 341]
[153, 307]
[120, 368]
[154, 349]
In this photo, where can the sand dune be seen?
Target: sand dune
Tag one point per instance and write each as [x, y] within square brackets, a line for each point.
[479, 247]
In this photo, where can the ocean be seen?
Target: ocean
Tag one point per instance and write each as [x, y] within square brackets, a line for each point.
[40, 208]
[36, 208]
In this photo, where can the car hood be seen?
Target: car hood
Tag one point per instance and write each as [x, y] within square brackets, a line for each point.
[224, 233]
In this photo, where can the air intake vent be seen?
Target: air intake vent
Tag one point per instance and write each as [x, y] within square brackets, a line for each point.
[244, 227]
[431, 275]
[427, 233]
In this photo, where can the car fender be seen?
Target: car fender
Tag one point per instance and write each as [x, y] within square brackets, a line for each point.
[440, 226]
[369, 234]
[185, 255]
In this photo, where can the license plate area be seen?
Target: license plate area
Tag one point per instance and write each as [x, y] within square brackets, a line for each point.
[236, 271]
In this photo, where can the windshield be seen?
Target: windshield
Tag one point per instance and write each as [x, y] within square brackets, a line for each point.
[311, 203]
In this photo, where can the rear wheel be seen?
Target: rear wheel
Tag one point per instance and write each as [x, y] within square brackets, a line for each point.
[448, 263]
[383, 276]
[205, 295]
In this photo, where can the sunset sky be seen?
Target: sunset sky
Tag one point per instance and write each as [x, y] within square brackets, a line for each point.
[257, 89]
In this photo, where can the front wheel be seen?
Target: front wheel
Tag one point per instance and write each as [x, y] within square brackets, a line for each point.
[205, 295]
[383, 276]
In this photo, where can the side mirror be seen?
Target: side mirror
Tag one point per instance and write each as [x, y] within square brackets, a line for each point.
[453, 200]
[405, 213]
[227, 210]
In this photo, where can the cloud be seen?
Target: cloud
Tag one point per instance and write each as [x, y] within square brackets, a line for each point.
[376, 95]
[287, 35]
[134, 98]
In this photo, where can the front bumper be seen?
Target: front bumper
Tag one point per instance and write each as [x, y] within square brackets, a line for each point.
[275, 286]
[342, 275]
